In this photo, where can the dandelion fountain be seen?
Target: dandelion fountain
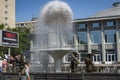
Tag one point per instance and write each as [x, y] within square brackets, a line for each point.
[54, 33]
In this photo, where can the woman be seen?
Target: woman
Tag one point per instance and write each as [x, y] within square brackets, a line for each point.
[27, 66]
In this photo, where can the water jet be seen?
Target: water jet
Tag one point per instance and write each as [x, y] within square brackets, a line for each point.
[54, 33]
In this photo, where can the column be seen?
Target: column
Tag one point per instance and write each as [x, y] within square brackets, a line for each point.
[103, 43]
[63, 60]
[88, 38]
[117, 41]
[75, 38]
[31, 57]
[31, 44]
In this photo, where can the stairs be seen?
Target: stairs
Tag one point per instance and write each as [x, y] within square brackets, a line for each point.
[57, 76]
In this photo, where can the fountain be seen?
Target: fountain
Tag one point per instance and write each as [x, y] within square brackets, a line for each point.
[54, 33]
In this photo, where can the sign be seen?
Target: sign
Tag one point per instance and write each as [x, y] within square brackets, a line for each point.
[9, 39]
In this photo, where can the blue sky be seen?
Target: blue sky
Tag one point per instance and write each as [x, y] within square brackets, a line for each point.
[26, 9]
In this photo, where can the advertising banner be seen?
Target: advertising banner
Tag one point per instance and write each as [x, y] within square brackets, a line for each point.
[9, 39]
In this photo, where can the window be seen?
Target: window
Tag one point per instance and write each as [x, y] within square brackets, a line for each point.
[69, 39]
[110, 36]
[95, 37]
[83, 25]
[6, 12]
[110, 23]
[6, 0]
[6, 6]
[82, 37]
[97, 56]
[111, 55]
[22, 24]
[6, 18]
[96, 24]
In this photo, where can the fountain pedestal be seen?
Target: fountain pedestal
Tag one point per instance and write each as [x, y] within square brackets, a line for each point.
[57, 54]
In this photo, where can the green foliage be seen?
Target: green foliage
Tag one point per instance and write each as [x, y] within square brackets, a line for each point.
[24, 41]
[1, 26]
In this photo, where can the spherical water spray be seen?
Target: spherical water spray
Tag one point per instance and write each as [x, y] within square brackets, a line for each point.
[56, 11]
[55, 32]
[56, 21]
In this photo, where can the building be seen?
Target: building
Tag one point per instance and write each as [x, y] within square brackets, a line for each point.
[100, 32]
[28, 24]
[7, 13]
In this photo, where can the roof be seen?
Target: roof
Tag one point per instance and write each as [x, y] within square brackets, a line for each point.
[96, 18]
[114, 11]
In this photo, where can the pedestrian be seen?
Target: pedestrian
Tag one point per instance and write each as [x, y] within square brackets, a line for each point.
[27, 66]
[4, 65]
[1, 65]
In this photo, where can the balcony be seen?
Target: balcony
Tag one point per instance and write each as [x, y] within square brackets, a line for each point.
[93, 46]
[82, 47]
[96, 46]
[110, 46]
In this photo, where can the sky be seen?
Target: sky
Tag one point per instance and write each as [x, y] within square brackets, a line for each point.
[27, 9]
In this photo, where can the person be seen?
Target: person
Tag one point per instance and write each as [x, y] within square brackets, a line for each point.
[17, 60]
[4, 65]
[27, 66]
[0, 65]
[21, 64]
[11, 64]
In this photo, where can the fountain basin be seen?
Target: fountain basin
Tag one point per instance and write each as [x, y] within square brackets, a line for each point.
[57, 54]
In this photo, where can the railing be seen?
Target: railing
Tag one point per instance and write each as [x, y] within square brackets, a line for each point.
[96, 46]
[110, 46]
[82, 47]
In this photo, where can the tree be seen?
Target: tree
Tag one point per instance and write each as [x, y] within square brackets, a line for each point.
[2, 49]
[1, 26]
[24, 41]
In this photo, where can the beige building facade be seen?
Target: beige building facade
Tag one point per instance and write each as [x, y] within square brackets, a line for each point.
[7, 13]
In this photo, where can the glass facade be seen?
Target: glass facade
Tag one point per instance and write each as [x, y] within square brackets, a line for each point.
[110, 36]
[82, 37]
[110, 23]
[95, 24]
[95, 37]
[82, 25]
